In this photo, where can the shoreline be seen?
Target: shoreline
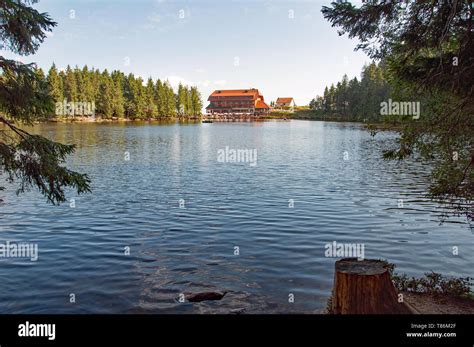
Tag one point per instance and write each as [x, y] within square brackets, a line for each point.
[378, 126]
[113, 120]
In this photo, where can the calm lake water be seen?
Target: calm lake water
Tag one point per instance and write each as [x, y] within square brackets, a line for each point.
[347, 197]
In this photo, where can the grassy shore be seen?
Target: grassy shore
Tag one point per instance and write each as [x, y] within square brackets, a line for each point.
[114, 119]
[299, 114]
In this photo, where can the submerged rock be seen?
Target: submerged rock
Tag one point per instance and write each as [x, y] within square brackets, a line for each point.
[198, 297]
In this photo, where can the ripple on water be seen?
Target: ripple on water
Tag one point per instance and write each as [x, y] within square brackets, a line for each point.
[135, 207]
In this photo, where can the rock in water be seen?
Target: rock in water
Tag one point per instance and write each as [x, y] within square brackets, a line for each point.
[198, 297]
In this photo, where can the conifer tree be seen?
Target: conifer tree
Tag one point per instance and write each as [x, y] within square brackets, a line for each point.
[118, 99]
[151, 108]
[55, 89]
[105, 107]
[95, 81]
[128, 87]
[159, 98]
[118, 107]
[195, 102]
[169, 104]
[70, 86]
[80, 83]
[182, 101]
[87, 85]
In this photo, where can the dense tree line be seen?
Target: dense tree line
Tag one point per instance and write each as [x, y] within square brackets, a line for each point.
[117, 95]
[355, 100]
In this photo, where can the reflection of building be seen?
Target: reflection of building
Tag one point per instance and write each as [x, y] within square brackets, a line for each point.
[237, 101]
[285, 103]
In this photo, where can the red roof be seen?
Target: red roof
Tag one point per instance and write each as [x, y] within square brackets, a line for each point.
[236, 92]
[261, 104]
[284, 100]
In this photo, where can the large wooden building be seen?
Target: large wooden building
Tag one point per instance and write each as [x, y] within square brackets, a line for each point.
[236, 102]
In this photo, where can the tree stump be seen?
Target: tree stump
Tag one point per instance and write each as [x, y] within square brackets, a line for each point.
[364, 287]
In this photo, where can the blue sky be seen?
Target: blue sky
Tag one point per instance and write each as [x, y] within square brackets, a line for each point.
[283, 48]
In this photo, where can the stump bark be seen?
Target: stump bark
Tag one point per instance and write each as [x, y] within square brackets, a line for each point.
[364, 287]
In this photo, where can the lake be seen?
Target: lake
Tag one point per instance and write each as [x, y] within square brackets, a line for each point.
[174, 211]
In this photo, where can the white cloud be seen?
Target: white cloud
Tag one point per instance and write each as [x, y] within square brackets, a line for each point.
[176, 80]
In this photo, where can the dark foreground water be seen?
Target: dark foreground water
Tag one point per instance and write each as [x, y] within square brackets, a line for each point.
[350, 197]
